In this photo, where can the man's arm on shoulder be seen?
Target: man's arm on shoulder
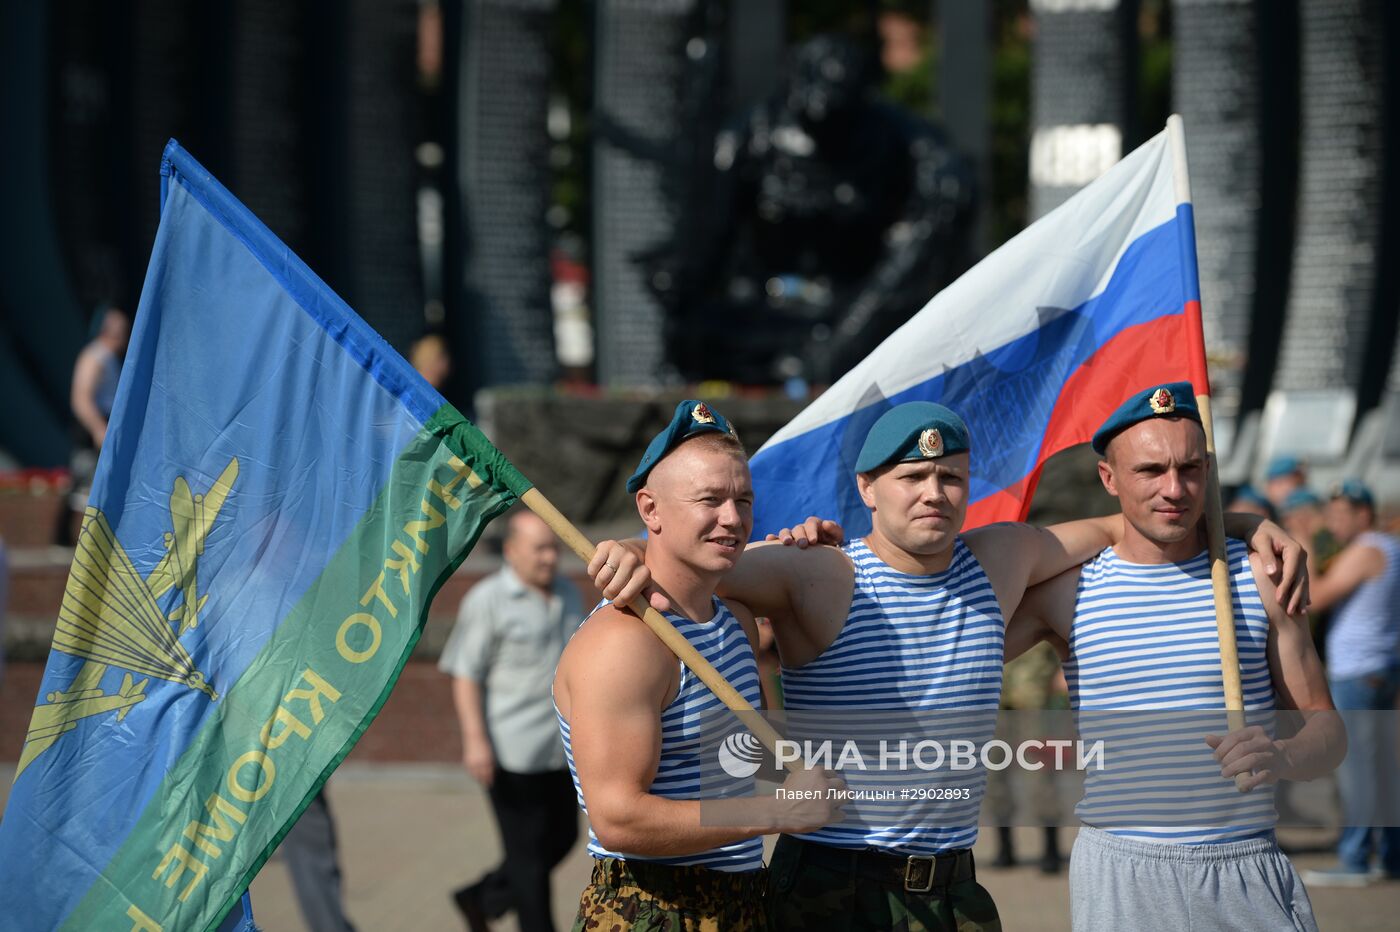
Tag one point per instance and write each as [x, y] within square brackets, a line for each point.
[803, 585]
[1016, 556]
[1301, 683]
[1285, 557]
[1045, 614]
[1298, 674]
[1020, 555]
[1348, 570]
[808, 589]
[764, 584]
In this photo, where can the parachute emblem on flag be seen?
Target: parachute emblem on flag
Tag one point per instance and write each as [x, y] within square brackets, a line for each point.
[110, 616]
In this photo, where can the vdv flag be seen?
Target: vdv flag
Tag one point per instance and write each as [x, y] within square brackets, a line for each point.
[278, 500]
[1035, 346]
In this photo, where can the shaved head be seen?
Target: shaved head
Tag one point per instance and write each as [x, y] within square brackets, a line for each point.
[681, 462]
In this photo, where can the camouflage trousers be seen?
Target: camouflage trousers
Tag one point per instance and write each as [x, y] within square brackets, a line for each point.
[850, 898]
[636, 895]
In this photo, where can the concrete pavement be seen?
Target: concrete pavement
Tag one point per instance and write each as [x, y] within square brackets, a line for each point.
[411, 835]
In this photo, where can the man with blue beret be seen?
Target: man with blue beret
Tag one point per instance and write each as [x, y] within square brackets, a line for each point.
[633, 717]
[1249, 500]
[1284, 476]
[912, 616]
[1137, 626]
[1301, 514]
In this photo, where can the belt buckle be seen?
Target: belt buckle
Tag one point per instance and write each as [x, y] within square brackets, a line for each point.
[911, 864]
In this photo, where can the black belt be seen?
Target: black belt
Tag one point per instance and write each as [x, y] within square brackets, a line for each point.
[679, 881]
[913, 873]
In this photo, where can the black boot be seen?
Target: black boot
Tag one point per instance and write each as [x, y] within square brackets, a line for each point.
[1006, 851]
[468, 900]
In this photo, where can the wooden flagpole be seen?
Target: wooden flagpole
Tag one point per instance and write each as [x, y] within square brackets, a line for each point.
[757, 725]
[1214, 511]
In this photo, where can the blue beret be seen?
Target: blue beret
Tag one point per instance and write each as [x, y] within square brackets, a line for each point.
[1356, 492]
[1281, 466]
[692, 417]
[1300, 498]
[915, 430]
[1175, 399]
[1248, 493]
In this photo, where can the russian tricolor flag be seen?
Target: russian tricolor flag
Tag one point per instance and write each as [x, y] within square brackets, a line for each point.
[1034, 347]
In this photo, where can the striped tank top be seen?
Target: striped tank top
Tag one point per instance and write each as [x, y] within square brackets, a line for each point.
[1364, 636]
[691, 727]
[919, 651]
[1144, 677]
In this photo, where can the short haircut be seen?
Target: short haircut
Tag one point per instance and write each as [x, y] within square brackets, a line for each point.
[715, 440]
[1108, 446]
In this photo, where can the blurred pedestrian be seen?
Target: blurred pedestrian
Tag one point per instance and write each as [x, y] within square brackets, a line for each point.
[1248, 500]
[511, 629]
[314, 866]
[430, 357]
[95, 375]
[1302, 515]
[1285, 475]
[1362, 586]
[1031, 683]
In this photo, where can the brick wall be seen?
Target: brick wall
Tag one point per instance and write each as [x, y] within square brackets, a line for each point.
[19, 687]
[417, 724]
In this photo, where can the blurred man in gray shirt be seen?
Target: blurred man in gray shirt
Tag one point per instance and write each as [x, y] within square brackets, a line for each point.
[510, 631]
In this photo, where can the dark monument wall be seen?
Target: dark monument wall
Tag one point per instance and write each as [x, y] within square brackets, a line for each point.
[267, 149]
[639, 52]
[1215, 88]
[1334, 265]
[385, 284]
[1083, 70]
[504, 184]
[41, 321]
[86, 107]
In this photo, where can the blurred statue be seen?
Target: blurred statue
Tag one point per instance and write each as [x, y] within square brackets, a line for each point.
[829, 217]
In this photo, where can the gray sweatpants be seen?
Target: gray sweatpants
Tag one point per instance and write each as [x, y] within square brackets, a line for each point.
[1244, 886]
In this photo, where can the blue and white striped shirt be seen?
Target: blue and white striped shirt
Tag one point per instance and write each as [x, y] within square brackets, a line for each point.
[691, 726]
[915, 645]
[1364, 637]
[1144, 676]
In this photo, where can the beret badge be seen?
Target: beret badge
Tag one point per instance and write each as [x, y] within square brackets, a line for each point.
[702, 415]
[1162, 401]
[931, 443]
